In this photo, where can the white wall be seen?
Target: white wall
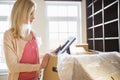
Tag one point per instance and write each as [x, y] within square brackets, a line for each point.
[83, 14]
[39, 25]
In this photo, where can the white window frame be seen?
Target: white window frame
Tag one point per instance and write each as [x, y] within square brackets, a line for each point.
[79, 29]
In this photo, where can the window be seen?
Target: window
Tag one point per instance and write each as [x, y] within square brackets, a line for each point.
[5, 9]
[63, 20]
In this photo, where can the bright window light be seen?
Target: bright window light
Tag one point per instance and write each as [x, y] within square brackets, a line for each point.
[63, 20]
[5, 10]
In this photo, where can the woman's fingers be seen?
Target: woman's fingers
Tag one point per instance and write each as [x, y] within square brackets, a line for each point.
[45, 60]
[57, 49]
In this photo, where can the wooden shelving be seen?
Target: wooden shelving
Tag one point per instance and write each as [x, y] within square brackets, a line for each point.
[103, 25]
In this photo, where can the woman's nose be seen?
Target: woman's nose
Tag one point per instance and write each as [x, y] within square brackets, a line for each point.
[33, 17]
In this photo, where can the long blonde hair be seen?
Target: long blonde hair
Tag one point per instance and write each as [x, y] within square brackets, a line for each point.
[19, 15]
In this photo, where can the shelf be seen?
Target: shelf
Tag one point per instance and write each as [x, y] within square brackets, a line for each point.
[98, 25]
[90, 46]
[97, 5]
[112, 45]
[90, 16]
[100, 46]
[89, 5]
[98, 18]
[90, 33]
[111, 38]
[108, 2]
[98, 38]
[89, 2]
[108, 15]
[90, 28]
[98, 11]
[111, 30]
[89, 22]
[114, 20]
[98, 32]
[89, 11]
[90, 38]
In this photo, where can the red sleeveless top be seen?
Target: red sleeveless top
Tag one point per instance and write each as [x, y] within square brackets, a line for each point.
[30, 56]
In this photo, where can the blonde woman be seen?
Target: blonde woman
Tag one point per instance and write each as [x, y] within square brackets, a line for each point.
[20, 46]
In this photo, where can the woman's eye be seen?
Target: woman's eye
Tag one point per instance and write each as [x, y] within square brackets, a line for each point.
[31, 13]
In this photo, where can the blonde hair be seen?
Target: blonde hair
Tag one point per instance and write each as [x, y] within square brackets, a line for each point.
[19, 15]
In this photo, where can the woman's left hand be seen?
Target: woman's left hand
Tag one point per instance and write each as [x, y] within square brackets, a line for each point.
[45, 60]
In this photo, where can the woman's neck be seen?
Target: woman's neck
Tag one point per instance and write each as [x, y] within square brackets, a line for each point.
[26, 35]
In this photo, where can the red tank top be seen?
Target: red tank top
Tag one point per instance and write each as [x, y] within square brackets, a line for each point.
[30, 55]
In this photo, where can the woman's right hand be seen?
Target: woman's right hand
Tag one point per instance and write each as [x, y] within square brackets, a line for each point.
[45, 60]
[56, 50]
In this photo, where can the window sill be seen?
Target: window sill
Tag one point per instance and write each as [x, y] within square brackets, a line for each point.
[3, 73]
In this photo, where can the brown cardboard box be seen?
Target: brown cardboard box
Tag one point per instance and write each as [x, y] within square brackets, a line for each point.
[50, 72]
[85, 46]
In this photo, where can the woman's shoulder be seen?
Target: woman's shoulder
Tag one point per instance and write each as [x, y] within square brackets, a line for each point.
[8, 33]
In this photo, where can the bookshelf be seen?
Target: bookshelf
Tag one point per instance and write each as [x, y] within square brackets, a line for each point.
[103, 25]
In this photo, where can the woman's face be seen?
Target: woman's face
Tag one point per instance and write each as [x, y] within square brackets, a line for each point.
[32, 15]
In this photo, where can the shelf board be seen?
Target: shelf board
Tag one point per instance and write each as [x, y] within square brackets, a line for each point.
[98, 38]
[111, 21]
[111, 38]
[95, 1]
[98, 25]
[91, 50]
[98, 11]
[91, 27]
[110, 5]
[90, 16]
[89, 5]
[90, 38]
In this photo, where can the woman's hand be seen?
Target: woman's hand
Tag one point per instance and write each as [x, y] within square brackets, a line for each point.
[56, 50]
[45, 60]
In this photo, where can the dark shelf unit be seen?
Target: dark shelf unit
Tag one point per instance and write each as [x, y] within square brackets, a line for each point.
[103, 25]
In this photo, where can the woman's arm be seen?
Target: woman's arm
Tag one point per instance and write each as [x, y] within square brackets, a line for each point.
[12, 59]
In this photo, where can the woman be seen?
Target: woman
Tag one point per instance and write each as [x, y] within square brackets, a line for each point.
[20, 46]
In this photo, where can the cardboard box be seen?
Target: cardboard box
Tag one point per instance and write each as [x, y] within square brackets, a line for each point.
[85, 46]
[50, 72]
